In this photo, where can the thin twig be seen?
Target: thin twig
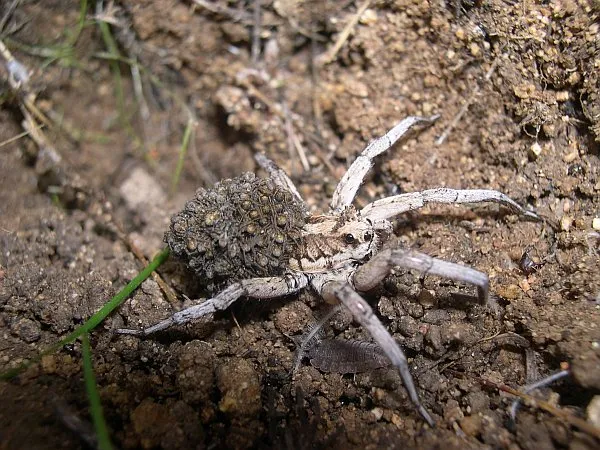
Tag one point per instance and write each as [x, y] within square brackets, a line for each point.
[561, 414]
[217, 8]
[536, 385]
[80, 427]
[256, 33]
[293, 139]
[14, 138]
[331, 54]
[9, 11]
[467, 104]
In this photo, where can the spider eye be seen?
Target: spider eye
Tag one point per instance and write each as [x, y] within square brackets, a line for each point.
[349, 238]
[368, 236]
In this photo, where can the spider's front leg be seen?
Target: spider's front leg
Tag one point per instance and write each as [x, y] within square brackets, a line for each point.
[269, 287]
[348, 186]
[278, 175]
[363, 314]
[389, 207]
[373, 272]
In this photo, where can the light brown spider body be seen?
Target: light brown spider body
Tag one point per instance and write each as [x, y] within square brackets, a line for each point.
[255, 238]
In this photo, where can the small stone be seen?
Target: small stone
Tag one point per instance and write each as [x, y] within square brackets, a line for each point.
[386, 308]
[369, 17]
[140, 189]
[524, 91]
[26, 329]
[396, 420]
[415, 310]
[535, 150]
[452, 411]
[459, 333]
[49, 364]
[437, 316]
[596, 223]
[593, 411]
[434, 338]
[566, 222]
[427, 298]
[408, 326]
[377, 413]
[524, 284]
[471, 425]
[570, 157]
[510, 292]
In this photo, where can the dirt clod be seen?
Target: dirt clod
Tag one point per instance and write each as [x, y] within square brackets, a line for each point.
[240, 388]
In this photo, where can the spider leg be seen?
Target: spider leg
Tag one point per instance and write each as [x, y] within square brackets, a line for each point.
[270, 287]
[310, 338]
[363, 314]
[370, 274]
[278, 176]
[397, 204]
[348, 186]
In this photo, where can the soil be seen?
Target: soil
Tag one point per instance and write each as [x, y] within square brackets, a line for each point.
[516, 84]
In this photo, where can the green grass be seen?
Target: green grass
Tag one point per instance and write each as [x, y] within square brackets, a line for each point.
[94, 396]
[191, 125]
[62, 53]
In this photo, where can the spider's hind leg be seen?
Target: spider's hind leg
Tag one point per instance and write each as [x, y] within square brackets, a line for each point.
[373, 272]
[270, 287]
[364, 315]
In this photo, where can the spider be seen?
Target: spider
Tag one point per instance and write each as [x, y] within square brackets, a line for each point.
[253, 237]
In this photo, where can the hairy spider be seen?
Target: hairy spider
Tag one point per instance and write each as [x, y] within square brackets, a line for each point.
[252, 237]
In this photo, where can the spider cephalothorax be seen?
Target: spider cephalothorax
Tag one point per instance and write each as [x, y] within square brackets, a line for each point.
[255, 238]
[335, 241]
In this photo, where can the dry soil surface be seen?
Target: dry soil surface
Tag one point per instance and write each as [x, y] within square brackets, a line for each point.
[516, 84]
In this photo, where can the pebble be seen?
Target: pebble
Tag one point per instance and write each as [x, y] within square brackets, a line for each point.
[593, 411]
[452, 411]
[565, 223]
[140, 188]
[377, 413]
[369, 17]
[535, 149]
[427, 298]
[408, 326]
[437, 316]
[27, 329]
[471, 425]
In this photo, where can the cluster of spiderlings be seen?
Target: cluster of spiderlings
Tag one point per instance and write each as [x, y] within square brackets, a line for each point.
[241, 228]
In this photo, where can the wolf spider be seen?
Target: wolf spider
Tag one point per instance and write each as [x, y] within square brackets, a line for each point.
[278, 249]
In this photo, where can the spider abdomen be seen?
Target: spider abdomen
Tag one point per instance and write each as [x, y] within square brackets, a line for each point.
[240, 228]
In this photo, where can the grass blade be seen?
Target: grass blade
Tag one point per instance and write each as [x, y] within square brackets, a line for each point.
[93, 396]
[182, 151]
